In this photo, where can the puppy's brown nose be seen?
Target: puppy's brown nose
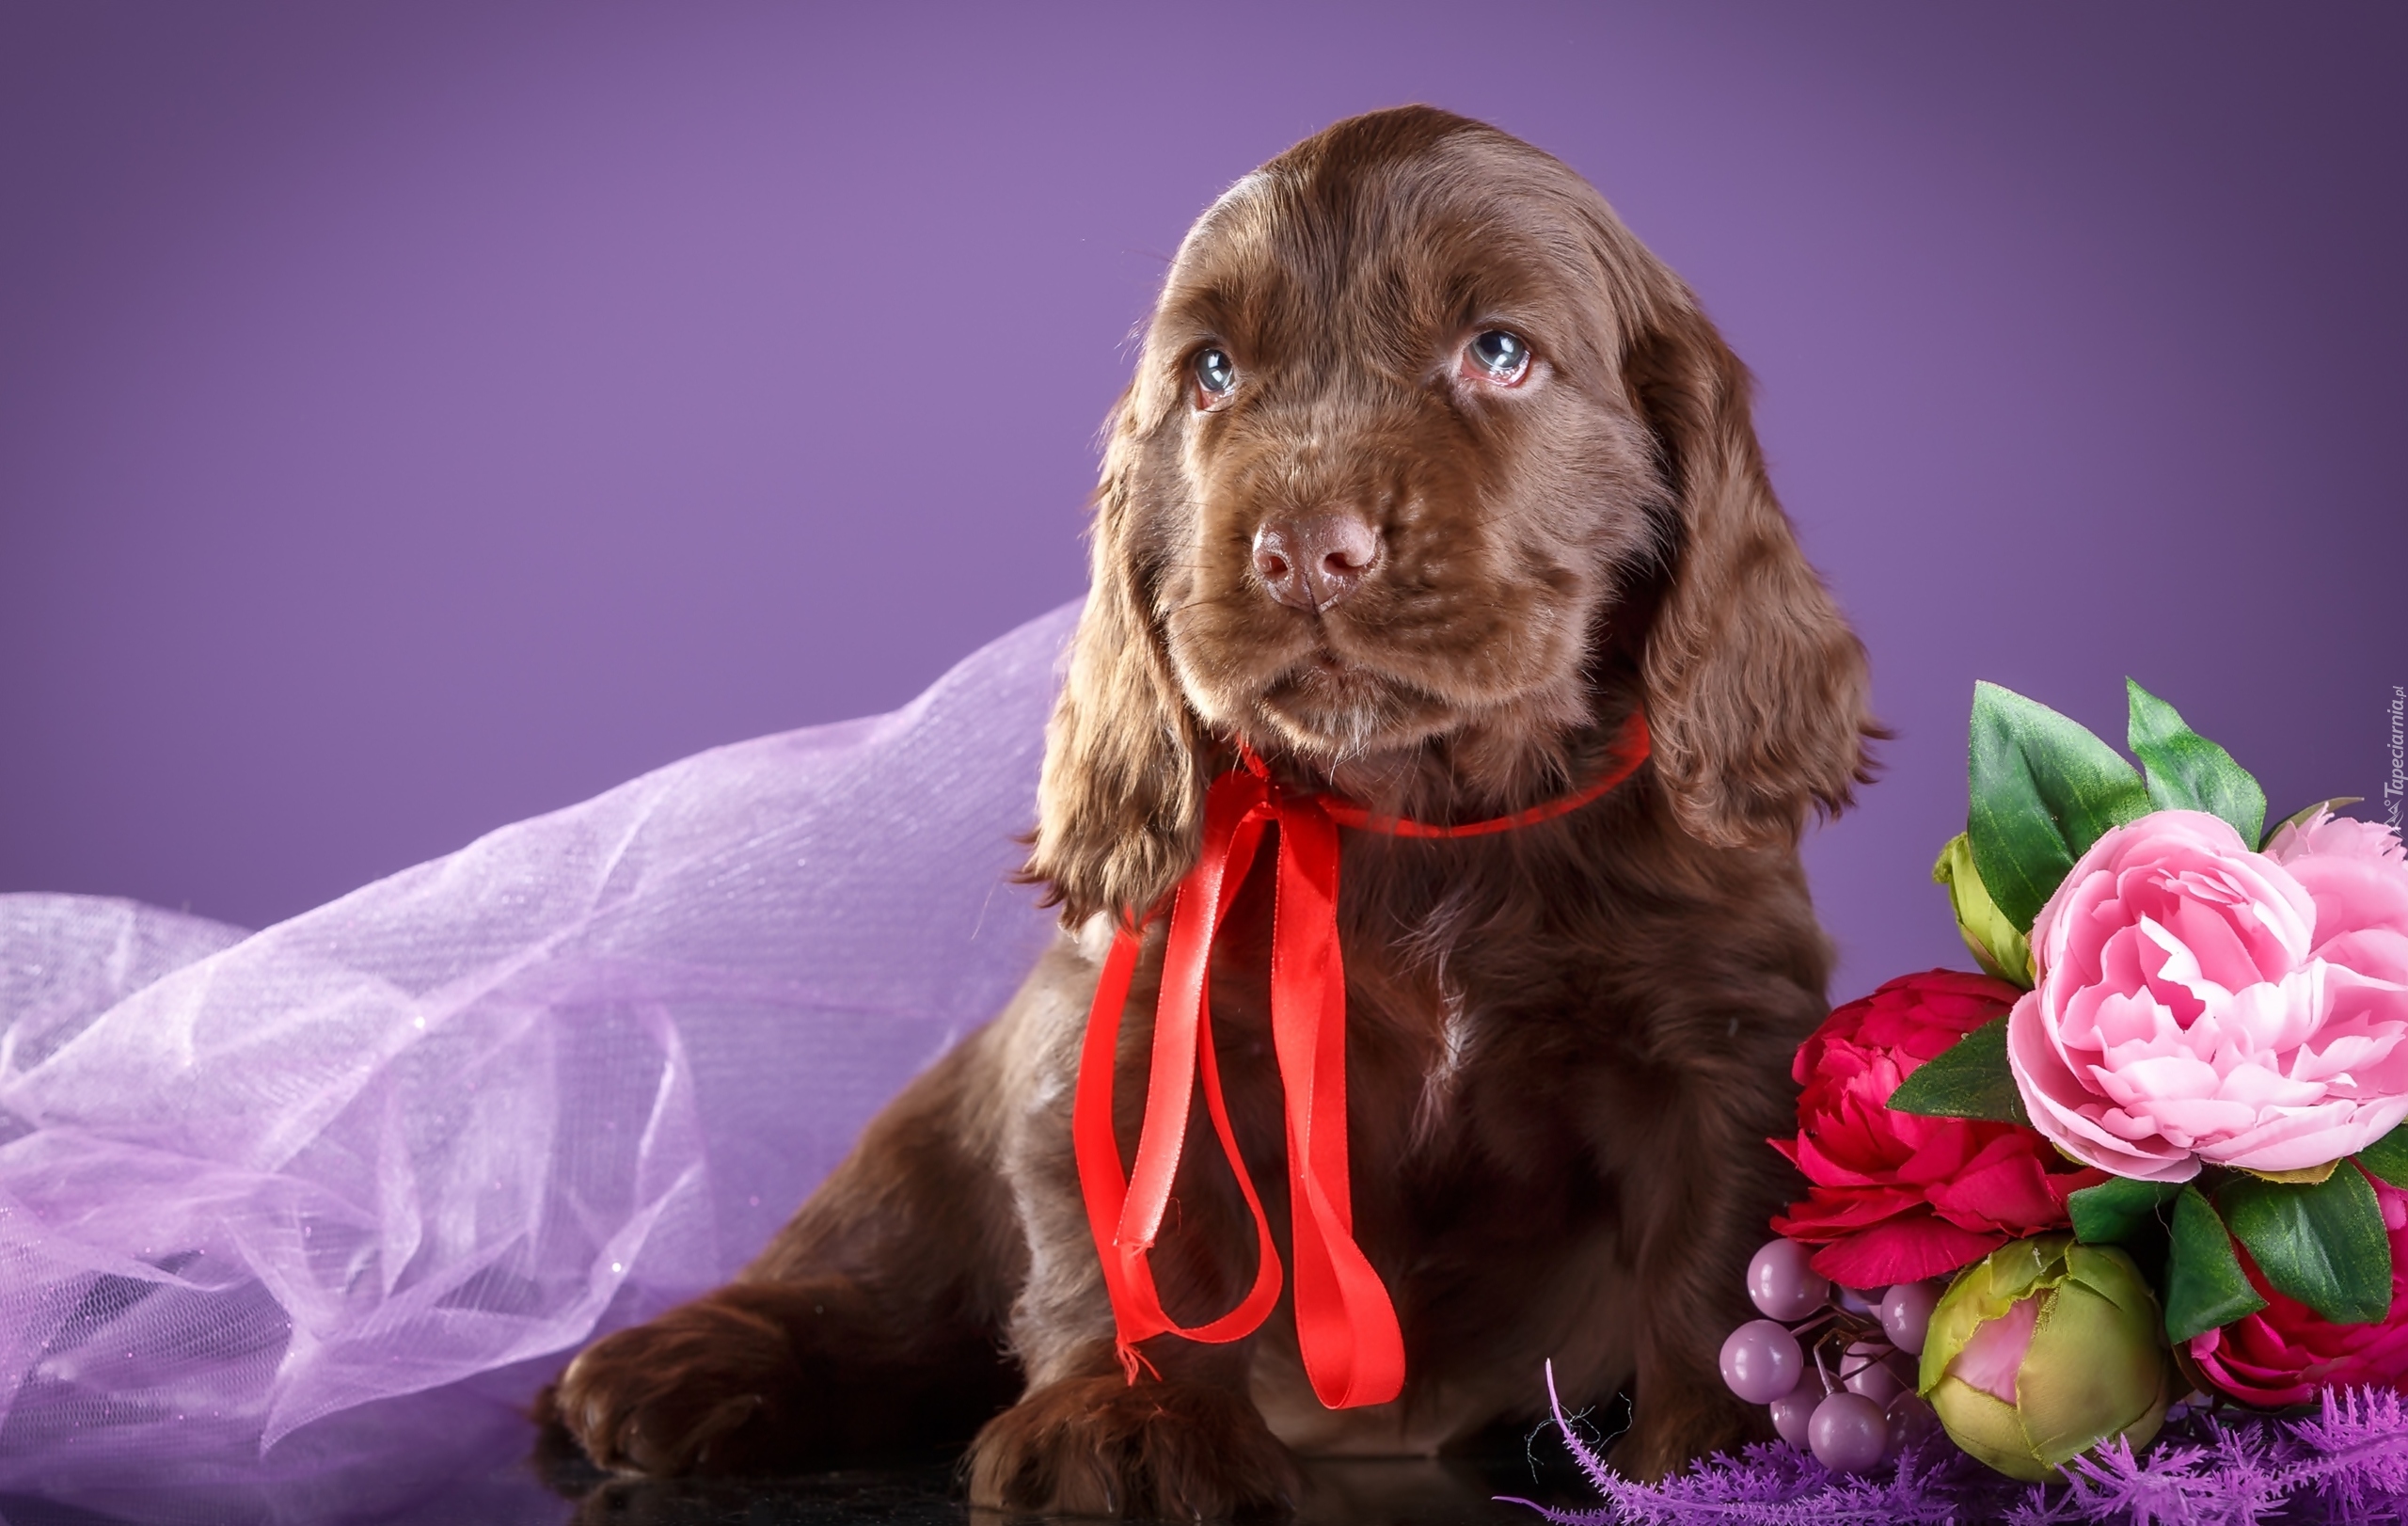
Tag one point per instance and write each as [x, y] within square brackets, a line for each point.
[1316, 561]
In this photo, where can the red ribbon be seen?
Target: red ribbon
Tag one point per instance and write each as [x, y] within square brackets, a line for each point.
[1345, 1324]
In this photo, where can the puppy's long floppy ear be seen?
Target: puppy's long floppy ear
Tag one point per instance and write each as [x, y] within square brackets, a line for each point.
[1120, 802]
[1756, 688]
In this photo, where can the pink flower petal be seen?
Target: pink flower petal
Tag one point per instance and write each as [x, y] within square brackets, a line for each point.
[2329, 836]
[1994, 1354]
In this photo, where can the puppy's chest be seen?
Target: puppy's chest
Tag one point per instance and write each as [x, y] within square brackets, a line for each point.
[1462, 1061]
[1448, 1082]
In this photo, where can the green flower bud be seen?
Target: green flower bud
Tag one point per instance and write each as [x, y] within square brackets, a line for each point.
[1995, 943]
[2042, 1350]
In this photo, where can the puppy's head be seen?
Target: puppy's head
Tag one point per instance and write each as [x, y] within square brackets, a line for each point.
[1419, 428]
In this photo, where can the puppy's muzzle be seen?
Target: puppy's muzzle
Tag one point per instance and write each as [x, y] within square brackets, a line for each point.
[1315, 561]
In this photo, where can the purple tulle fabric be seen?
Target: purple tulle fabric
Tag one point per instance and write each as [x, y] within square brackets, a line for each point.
[256, 1190]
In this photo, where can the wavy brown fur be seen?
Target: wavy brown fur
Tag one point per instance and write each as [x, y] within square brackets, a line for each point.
[1566, 1044]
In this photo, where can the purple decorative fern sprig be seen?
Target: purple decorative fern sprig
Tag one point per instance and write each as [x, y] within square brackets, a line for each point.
[1767, 1485]
[2353, 1456]
[2347, 1463]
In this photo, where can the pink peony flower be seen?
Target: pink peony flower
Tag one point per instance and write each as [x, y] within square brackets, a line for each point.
[2197, 1001]
[2327, 835]
[2284, 1353]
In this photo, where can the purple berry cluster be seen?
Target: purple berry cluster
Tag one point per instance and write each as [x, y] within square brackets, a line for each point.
[1835, 1365]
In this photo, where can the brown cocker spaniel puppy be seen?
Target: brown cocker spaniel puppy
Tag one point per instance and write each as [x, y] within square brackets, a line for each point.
[1429, 476]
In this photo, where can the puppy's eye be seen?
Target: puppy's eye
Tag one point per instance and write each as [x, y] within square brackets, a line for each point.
[1216, 374]
[1497, 356]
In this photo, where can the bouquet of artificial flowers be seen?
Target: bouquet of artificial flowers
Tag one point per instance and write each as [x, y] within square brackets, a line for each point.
[2151, 1159]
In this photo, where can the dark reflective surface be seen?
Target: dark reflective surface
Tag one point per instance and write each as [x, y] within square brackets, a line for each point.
[469, 1456]
[1449, 1491]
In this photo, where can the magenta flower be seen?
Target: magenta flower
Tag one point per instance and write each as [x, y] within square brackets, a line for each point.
[2199, 1002]
[1897, 1196]
[2287, 1353]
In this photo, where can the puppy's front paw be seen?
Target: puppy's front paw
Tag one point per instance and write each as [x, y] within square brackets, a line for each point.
[1100, 1446]
[711, 1387]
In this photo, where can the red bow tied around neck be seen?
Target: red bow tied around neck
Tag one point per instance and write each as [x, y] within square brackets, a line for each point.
[1345, 1325]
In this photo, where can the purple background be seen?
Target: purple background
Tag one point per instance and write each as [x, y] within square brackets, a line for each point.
[416, 415]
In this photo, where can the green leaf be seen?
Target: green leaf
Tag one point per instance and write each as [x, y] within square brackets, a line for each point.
[2043, 789]
[2323, 1244]
[1968, 1079]
[1995, 943]
[2298, 819]
[2387, 1158]
[2205, 1286]
[2188, 773]
[2117, 1209]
